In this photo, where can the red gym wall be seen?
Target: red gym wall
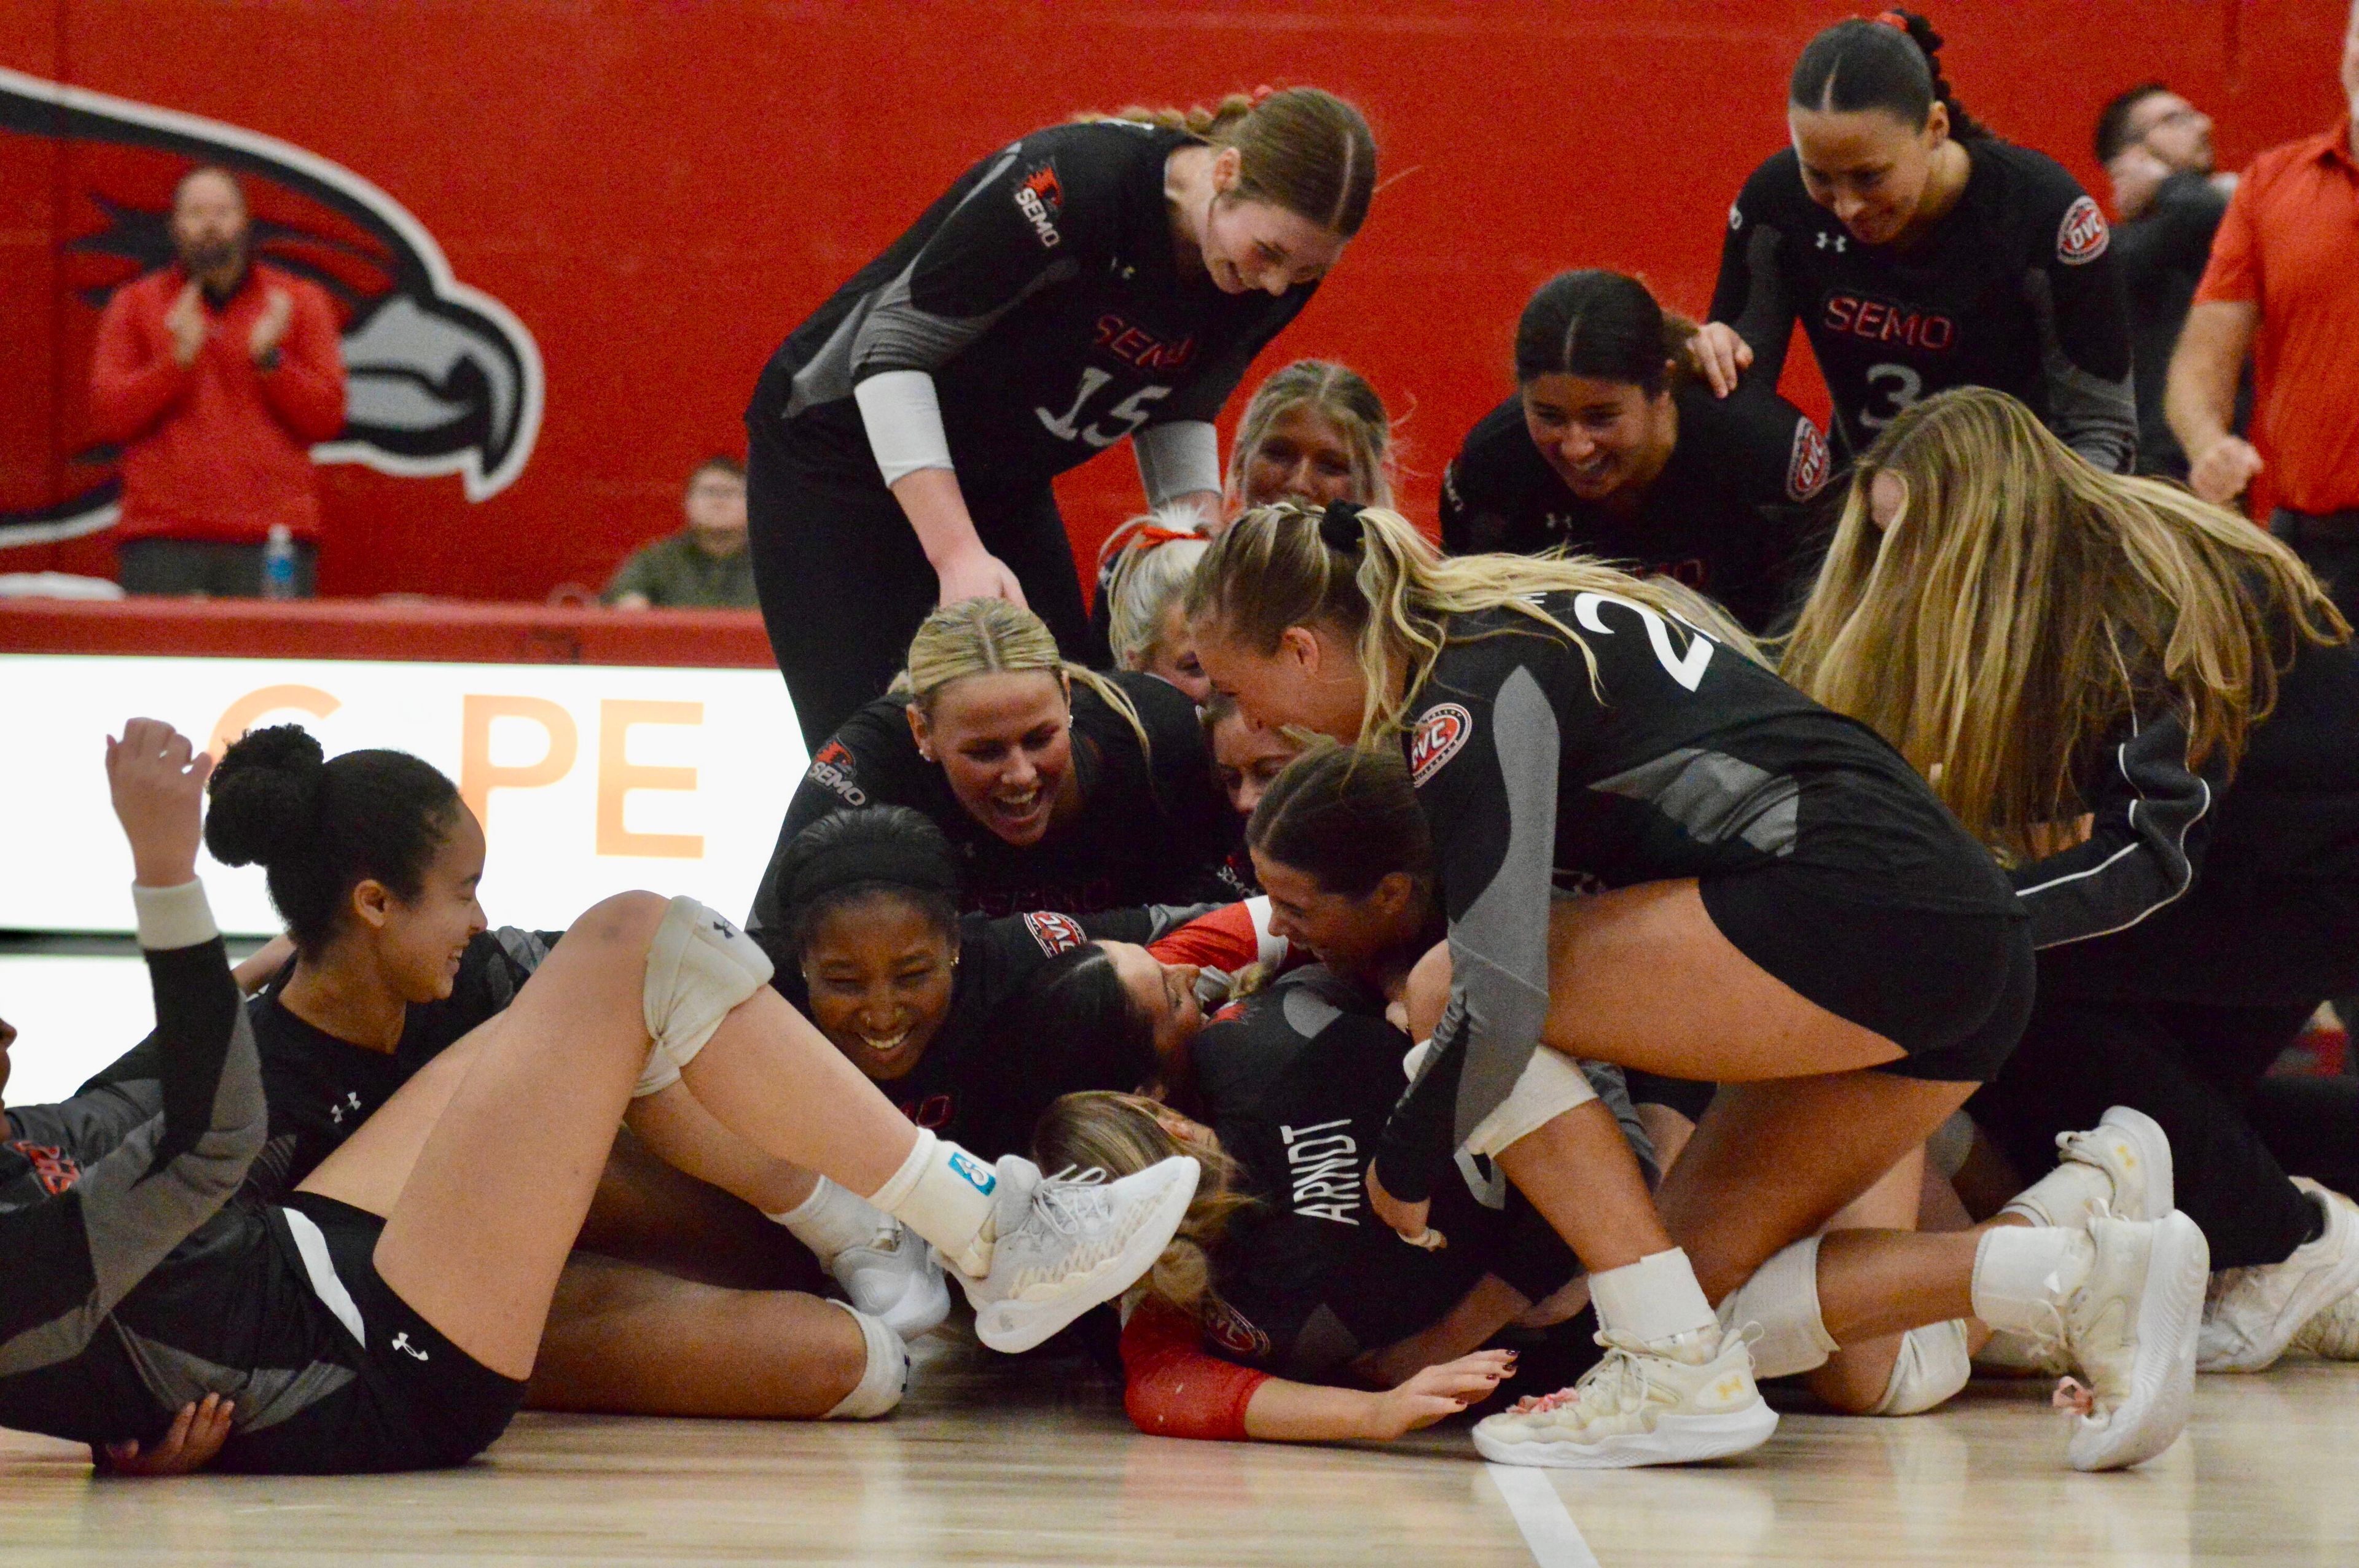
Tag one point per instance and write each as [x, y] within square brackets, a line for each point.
[658, 189]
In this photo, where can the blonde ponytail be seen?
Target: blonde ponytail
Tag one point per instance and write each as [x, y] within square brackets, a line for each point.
[1395, 595]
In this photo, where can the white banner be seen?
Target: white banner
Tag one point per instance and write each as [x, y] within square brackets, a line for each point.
[589, 779]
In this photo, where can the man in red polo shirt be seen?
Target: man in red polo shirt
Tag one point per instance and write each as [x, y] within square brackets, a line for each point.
[216, 374]
[2284, 282]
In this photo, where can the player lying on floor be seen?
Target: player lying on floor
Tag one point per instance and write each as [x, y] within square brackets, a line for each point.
[387, 1316]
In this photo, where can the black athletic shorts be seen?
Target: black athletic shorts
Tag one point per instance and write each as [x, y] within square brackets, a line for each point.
[415, 1400]
[1951, 990]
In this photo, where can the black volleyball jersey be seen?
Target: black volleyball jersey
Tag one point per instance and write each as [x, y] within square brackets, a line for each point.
[1043, 294]
[321, 1088]
[974, 1085]
[123, 1264]
[1676, 758]
[1153, 827]
[2200, 884]
[1297, 1081]
[2012, 289]
[1722, 517]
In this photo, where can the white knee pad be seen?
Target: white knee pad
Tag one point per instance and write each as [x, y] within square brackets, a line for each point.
[1782, 1296]
[881, 1386]
[1551, 1084]
[699, 967]
[1932, 1366]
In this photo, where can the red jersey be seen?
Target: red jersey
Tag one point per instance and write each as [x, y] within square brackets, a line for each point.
[219, 450]
[2290, 244]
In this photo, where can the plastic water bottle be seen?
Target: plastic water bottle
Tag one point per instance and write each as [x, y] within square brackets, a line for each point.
[279, 563]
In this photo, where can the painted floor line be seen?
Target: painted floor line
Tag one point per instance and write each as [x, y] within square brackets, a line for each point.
[1556, 1541]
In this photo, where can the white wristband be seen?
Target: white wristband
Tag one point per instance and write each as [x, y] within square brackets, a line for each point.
[1176, 459]
[904, 415]
[173, 918]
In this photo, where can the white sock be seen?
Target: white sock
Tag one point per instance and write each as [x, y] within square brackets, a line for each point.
[831, 1220]
[1782, 1297]
[1653, 1300]
[942, 1193]
[887, 1373]
[2023, 1273]
[2064, 1196]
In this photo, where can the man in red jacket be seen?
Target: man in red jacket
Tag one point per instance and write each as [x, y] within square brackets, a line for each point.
[216, 374]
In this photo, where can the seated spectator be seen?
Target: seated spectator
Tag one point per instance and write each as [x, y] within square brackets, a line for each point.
[705, 566]
[216, 374]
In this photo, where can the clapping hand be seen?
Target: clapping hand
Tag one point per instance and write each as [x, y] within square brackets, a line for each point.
[158, 779]
[270, 331]
[186, 321]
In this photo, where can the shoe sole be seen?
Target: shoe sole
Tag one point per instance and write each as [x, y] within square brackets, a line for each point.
[2322, 1290]
[1675, 1440]
[2162, 1377]
[2154, 1148]
[1011, 1327]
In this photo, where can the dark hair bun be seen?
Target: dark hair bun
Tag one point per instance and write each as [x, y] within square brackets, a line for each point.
[265, 795]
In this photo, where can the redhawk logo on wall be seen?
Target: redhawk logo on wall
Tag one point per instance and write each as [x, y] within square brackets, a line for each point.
[1807, 470]
[2082, 236]
[441, 378]
[1437, 739]
[1055, 933]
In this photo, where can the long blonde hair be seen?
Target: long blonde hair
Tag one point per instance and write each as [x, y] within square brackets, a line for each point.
[989, 637]
[1302, 148]
[1122, 1135]
[2024, 603]
[1337, 393]
[1393, 594]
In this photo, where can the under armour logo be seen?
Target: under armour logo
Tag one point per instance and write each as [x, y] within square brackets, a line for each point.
[401, 1343]
[336, 1112]
[1838, 241]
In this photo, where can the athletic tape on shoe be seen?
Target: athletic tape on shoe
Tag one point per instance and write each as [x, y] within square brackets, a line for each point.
[1932, 1366]
[1782, 1297]
[887, 1375]
[699, 967]
[1552, 1085]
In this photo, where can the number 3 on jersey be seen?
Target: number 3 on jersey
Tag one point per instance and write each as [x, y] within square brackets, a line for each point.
[1131, 411]
[1900, 386]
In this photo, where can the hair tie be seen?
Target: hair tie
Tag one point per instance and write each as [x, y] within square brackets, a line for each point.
[1148, 538]
[1338, 526]
[1261, 94]
[1893, 19]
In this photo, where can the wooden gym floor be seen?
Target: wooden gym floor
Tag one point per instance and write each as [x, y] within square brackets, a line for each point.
[993, 1463]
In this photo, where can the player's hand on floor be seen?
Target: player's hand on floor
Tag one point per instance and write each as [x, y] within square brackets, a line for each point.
[1443, 1390]
[196, 1434]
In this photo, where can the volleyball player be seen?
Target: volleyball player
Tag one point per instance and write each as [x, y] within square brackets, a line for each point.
[1060, 789]
[385, 1317]
[1783, 908]
[1314, 431]
[1140, 589]
[2151, 710]
[1609, 449]
[1090, 282]
[1919, 251]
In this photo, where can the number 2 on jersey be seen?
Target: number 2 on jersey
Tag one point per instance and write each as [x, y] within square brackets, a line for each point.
[1132, 411]
[1906, 387]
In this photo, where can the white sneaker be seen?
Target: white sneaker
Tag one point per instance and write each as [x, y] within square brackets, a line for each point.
[2131, 1328]
[1058, 1246]
[2121, 1167]
[1669, 1403]
[2256, 1313]
[895, 1279]
[2333, 1333]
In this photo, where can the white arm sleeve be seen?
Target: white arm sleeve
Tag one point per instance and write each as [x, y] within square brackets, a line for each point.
[1176, 459]
[904, 417]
